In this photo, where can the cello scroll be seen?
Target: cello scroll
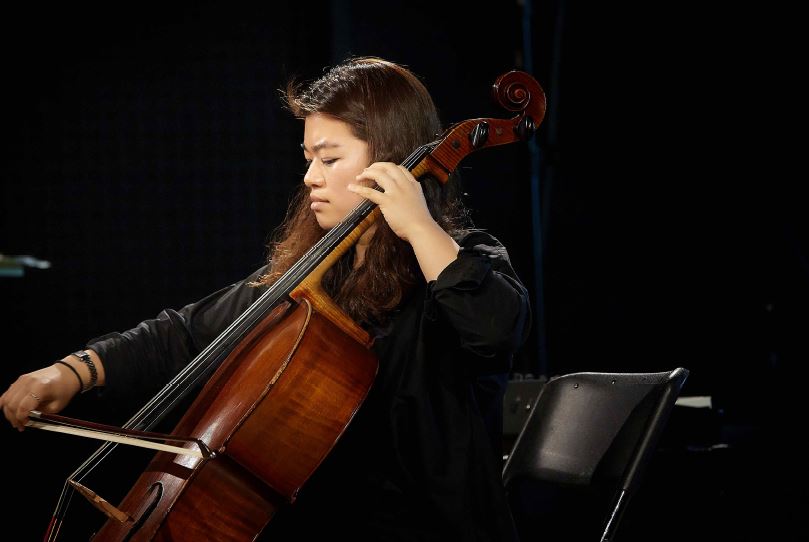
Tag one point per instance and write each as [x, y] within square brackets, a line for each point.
[515, 91]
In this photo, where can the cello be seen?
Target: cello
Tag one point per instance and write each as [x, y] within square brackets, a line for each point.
[281, 383]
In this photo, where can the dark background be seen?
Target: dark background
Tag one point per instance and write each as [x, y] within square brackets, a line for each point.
[148, 158]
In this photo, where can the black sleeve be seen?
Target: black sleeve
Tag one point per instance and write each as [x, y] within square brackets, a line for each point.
[481, 297]
[142, 360]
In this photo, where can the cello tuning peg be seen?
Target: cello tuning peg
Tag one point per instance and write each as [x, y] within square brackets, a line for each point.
[525, 128]
[479, 134]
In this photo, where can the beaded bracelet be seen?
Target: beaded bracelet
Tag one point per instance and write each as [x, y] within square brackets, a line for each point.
[75, 372]
[85, 357]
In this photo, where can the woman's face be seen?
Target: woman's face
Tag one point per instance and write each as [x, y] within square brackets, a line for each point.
[335, 157]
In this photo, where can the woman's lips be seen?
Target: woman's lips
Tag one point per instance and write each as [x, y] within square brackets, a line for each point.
[317, 203]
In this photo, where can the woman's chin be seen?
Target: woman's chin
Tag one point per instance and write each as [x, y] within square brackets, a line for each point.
[323, 223]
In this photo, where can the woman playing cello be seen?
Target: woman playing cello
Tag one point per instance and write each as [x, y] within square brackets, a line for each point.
[440, 299]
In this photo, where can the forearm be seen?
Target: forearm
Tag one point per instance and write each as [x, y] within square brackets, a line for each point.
[139, 361]
[434, 249]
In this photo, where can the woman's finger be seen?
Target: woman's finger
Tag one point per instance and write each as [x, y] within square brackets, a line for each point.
[368, 193]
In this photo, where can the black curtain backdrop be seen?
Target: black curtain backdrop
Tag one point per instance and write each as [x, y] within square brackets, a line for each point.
[147, 157]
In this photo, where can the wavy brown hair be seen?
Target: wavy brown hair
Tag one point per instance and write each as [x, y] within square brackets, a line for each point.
[386, 106]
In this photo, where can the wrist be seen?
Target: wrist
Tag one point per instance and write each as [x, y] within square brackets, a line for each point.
[66, 367]
[88, 367]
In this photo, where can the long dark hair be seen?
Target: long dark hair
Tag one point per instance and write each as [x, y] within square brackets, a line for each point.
[386, 106]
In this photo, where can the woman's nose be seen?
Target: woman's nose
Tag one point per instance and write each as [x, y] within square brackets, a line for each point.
[313, 177]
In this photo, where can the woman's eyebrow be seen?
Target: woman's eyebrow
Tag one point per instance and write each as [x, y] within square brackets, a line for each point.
[321, 145]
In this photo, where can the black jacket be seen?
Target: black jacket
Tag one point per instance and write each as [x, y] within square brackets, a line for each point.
[417, 462]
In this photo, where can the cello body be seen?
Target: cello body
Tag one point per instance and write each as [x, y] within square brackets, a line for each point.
[271, 413]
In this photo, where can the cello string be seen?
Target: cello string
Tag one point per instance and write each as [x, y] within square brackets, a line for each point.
[210, 357]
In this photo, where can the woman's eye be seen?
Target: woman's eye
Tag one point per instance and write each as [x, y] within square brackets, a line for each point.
[325, 161]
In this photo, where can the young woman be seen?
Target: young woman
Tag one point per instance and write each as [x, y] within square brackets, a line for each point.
[442, 302]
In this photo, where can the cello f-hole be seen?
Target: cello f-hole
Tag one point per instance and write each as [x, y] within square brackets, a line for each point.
[156, 488]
